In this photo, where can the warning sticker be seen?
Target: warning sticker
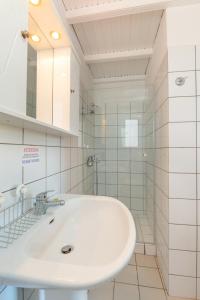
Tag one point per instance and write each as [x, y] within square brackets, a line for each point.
[30, 155]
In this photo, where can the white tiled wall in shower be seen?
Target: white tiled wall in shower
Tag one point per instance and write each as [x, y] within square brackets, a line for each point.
[121, 168]
[61, 167]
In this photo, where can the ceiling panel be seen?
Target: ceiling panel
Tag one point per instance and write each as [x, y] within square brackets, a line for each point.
[76, 4]
[118, 69]
[119, 34]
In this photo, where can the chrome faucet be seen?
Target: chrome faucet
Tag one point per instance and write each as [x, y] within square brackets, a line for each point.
[42, 203]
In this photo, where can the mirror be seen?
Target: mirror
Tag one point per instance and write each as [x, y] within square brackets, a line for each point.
[39, 95]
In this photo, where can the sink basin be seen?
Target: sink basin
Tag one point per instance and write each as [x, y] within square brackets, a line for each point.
[101, 236]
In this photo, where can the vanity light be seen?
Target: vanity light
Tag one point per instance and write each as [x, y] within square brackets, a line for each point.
[35, 38]
[55, 35]
[35, 2]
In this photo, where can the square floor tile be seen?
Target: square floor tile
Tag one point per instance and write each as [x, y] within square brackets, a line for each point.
[132, 260]
[149, 277]
[146, 261]
[128, 275]
[151, 294]
[104, 292]
[125, 292]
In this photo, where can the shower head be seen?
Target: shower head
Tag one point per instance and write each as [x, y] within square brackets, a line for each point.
[91, 109]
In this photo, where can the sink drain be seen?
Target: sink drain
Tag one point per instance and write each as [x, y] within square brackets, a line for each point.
[67, 249]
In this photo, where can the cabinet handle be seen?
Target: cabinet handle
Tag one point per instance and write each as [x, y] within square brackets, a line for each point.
[72, 91]
[25, 34]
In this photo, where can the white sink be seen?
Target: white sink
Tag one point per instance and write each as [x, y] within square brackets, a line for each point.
[101, 231]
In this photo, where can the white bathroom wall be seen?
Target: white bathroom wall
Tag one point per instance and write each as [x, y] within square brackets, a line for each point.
[61, 166]
[182, 106]
[176, 185]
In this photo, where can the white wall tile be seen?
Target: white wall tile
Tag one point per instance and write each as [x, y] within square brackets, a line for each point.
[182, 186]
[198, 108]
[182, 134]
[53, 140]
[123, 190]
[111, 154]
[182, 160]
[137, 204]
[111, 108]
[180, 286]
[182, 263]
[11, 166]
[124, 108]
[34, 138]
[65, 181]
[123, 178]
[10, 134]
[111, 143]
[182, 237]
[111, 119]
[53, 183]
[198, 134]
[122, 118]
[110, 178]
[182, 109]
[65, 159]
[100, 131]
[111, 131]
[123, 154]
[198, 83]
[111, 166]
[186, 90]
[181, 58]
[53, 160]
[198, 264]
[137, 106]
[100, 120]
[182, 211]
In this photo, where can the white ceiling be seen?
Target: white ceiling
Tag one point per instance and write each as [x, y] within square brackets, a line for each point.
[115, 36]
[118, 34]
[117, 69]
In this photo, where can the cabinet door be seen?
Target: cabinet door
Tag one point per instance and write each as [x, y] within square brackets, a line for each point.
[74, 93]
[13, 55]
[61, 86]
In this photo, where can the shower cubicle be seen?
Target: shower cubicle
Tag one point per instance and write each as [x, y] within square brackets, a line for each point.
[123, 142]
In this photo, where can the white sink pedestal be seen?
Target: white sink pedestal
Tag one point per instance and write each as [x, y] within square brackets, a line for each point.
[62, 294]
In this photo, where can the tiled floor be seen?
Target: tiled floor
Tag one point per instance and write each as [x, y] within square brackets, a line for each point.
[144, 231]
[140, 280]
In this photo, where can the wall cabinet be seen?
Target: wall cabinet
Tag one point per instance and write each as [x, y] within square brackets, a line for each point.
[66, 90]
[13, 55]
[36, 80]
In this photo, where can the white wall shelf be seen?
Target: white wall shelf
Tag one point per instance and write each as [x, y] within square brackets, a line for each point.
[14, 119]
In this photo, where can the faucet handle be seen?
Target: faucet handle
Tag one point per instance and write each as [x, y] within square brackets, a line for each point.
[43, 195]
